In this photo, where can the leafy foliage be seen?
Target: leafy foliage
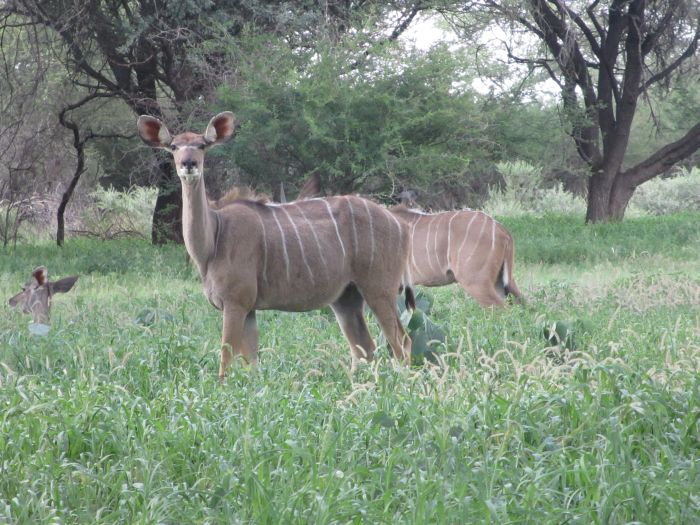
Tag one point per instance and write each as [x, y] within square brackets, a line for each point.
[670, 195]
[119, 213]
[428, 337]
[398, 120]
[524, 192]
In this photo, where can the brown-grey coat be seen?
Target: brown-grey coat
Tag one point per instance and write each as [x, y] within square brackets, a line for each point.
[254, 255]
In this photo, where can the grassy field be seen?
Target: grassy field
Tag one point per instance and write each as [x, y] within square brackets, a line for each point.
[117, 417]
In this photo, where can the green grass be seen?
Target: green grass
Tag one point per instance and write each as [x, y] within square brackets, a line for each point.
[117, 416]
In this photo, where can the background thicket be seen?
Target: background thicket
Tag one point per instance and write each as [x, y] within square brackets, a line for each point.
[340, 88]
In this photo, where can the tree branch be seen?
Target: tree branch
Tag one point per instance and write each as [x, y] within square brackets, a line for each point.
[79, 145]
[689, 52]
[596, 24]
[606, 67]
[664, 158]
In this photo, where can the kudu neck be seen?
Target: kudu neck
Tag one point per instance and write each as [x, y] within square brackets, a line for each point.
[198, 223]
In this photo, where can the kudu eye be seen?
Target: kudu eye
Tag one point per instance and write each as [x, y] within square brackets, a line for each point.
[173, 147]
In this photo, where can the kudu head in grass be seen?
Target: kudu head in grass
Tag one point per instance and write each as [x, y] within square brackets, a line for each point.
[255, 255]
[35, 297]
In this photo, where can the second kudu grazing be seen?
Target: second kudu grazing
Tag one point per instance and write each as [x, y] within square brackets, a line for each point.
[251, 255]
[464, 246]
[35, 297]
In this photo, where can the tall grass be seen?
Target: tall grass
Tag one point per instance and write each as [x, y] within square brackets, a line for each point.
[117, 417]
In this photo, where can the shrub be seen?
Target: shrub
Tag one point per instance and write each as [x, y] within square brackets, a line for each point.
[523, 193]
[558, 200]
[670, 195]
[120, 213]
[522, 180]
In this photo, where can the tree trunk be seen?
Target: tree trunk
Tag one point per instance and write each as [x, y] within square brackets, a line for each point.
[599, 187]
[620, 197]
[167, 214]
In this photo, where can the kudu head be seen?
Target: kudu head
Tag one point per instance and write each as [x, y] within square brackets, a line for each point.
[187, 148]
[35, 297]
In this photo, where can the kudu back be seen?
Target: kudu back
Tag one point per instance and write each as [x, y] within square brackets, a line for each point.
[35, 297]
[251, 255]
[464, 246]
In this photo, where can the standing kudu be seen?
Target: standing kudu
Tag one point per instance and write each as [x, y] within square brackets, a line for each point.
[35, 297]
[301, 256]
[463, 246]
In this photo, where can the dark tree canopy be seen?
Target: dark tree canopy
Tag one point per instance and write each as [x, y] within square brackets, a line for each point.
[159, 56]
[604, 56]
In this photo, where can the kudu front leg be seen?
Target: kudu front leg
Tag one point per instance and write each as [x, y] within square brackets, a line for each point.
[240, 336]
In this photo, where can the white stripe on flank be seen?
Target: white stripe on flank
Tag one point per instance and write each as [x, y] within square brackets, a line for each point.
[318, 242]
[301, 244]
[337, 232]
[449, 236]
[466, 236]
[413, 257]
[398, 227]
[371, 234]
[435, 239]
[262, 223]
[427, 244]
[481, 232]
[493, 234]
[284, 244]
[354, 227]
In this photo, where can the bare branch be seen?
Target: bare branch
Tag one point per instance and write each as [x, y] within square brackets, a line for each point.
[667, 71]
[606, 66]
[591, 14]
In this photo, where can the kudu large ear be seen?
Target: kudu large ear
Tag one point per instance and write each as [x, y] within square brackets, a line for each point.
[153, 132]
[63, 285]
[220, 128]
[40, 275]
[15, 299]
[311, 188]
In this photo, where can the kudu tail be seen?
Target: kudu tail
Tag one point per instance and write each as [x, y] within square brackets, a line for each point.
[505, 276]
[408, 291]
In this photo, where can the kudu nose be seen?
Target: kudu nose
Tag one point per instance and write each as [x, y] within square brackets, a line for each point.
[189, 164]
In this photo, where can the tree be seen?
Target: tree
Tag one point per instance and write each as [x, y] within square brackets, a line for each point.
[400, 119]
[604, 57]
[160, 56]
[79, 142]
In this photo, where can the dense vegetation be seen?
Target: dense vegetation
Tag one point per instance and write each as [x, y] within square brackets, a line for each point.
[117, 417]
[598, 96]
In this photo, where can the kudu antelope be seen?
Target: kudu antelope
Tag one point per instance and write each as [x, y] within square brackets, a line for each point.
[253, 255]
[35, 297]
[464, 246]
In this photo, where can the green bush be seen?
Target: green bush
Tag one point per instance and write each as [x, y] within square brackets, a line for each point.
[370, 129]
[670, 195]
[523, 194]
[120, 213]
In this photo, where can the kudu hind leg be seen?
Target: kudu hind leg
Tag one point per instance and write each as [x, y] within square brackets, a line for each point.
[387, 314]
[482, 288]
[348, 310]
[484, 293]
[240, 336]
